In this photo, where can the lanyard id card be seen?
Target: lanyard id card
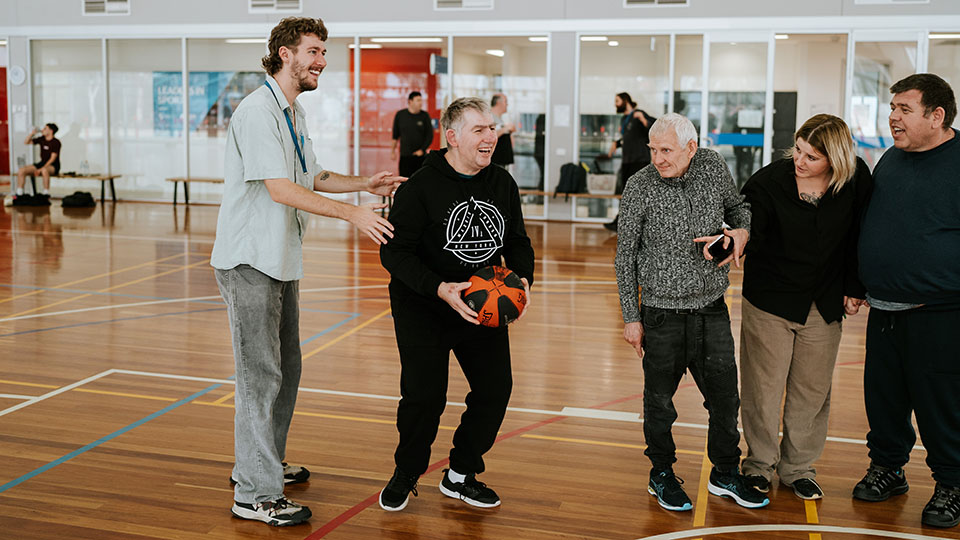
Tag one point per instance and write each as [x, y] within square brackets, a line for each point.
[303, 163]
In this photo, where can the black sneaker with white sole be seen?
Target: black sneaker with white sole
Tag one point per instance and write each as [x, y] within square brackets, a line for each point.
[807, 489]
[292, 474]
[470, 491]
[279, 513]
[665, 486]
[731, 484]
[396, 494]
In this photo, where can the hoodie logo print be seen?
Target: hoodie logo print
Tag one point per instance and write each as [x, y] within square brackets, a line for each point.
[474, 231]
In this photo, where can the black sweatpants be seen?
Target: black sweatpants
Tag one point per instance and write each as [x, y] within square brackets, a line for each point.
[426, 333]
[913, 366]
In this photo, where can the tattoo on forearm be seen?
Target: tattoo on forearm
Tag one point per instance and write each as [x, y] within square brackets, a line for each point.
[324, 175]
[812, 198]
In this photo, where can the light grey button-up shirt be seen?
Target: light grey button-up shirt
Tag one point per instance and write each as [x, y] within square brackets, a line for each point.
[251, 228]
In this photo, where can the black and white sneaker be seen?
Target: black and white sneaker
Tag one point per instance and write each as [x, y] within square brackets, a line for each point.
[292, 474]
[665, 486]
[757, 482]
[807, 489]
[732, 485]
[470, 491]
[279, 513]
[395, 496]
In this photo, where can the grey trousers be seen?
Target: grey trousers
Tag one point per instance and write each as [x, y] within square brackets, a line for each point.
[264, 317]
[780, 357]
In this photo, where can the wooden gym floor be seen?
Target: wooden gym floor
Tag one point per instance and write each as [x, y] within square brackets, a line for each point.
[116, 402]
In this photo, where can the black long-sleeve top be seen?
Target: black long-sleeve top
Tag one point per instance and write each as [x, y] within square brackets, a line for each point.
[799, 253]
[447, 226]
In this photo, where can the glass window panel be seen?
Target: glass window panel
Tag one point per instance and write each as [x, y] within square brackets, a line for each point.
[877, 66]
[738, 80]
[68, 91]
[809, 77]
[4, 132]
[146, 115]
[688, 77]
[518, 71]
[637, 65]
[945, 61]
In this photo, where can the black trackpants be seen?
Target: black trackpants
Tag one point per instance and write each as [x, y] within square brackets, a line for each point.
[913, 366]
[426, 333]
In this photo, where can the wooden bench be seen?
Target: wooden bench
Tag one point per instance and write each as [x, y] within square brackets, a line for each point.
[186, 192]
[103, 178]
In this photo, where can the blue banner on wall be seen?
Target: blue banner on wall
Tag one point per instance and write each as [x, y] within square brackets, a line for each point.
[205, 90]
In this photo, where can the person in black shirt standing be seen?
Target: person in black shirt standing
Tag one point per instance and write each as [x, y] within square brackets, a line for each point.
[413, 132]
[800, 277]
[633, 142]
[455, 215]
[49, 164]
[503, 153]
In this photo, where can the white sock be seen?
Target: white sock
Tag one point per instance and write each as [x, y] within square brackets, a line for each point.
[45, 191]
[455, 477]
[19, 192]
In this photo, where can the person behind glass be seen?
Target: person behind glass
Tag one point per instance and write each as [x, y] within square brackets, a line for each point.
[49, 164]
[681, 323]
[503, 153]
[270, 179]
[910, 263]
[800, 280]
[457, 214]
[633, 141]
[413, 133]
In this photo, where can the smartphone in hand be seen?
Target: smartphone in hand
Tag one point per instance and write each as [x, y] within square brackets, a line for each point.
[716, 249]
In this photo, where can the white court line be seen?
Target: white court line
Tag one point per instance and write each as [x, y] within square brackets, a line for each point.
[172, 301]
[56, 392]
[15, 396]
[799, 528]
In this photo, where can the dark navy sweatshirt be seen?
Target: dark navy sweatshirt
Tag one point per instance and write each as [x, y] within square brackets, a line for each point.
[910, 237]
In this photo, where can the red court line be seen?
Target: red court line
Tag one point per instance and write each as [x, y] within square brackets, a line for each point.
[371, 500]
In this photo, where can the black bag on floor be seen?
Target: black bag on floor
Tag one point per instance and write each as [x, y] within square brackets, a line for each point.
[573, 179]
[79, 199]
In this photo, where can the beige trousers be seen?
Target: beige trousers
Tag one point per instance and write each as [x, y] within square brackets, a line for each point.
[778, 356]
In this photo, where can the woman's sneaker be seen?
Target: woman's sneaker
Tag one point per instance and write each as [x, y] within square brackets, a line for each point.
[395, 496]
[880, 483]
[279, 513]
[665, 486]
[470, 491]
[732, 485]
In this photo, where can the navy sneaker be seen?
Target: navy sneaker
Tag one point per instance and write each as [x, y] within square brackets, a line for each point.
[665, 486]
[880, 483]
[470, 491]
[731, 484]
[395, 496]
[943, 510]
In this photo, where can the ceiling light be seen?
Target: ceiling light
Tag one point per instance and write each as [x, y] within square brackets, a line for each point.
[781, 36]
[593, 38]
[367, 46]
[3, 43]
[613, 43]
[538, 38]
[495, 52]
[944, 36]
[407, 40]
[247, 40]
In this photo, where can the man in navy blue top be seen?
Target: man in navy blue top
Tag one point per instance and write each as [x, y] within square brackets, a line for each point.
[909, 254]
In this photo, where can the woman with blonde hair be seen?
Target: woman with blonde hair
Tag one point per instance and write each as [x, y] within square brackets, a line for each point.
[800, 279]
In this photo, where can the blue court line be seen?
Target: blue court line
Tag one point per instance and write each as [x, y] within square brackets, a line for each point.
[330, 328]
[102, 440]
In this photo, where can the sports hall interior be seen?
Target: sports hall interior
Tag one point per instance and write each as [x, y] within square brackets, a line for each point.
[116, 367]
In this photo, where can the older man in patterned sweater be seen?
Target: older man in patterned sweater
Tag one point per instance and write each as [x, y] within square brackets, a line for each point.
[671, 211]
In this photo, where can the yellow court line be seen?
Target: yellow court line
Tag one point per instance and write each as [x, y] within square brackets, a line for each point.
[345, 334]
[95, 277]
[811, 509]
[224, 398]
[700, 514]
[85, 295]
[600, 443]
[29, 384]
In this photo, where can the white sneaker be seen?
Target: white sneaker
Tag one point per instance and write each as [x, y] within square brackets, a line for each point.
[8, 200]
[279, 513]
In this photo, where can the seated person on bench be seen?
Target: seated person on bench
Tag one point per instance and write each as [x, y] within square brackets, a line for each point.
[49, 164]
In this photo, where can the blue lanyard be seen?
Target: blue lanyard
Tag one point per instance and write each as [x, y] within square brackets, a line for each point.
[286, 115]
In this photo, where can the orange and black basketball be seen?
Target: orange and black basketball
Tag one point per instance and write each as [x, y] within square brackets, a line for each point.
[497, 295]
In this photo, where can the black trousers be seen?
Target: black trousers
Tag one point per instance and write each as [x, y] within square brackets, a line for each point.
[425, 338]
[913, 366]
[700, 341]
[409, 164]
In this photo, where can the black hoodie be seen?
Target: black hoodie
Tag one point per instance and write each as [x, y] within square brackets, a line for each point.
[447, 226]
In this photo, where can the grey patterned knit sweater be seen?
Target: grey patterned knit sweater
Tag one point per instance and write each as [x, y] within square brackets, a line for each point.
[659, 218]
